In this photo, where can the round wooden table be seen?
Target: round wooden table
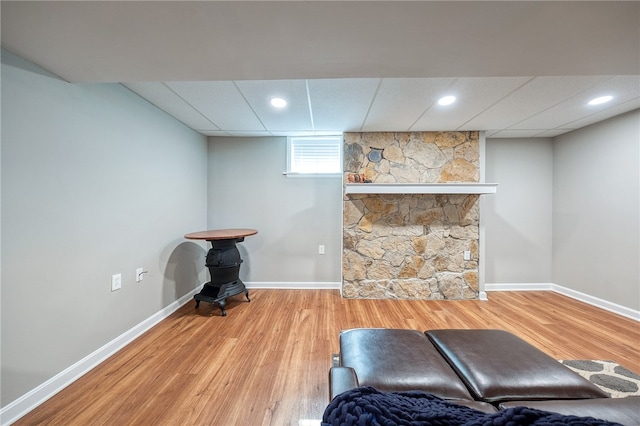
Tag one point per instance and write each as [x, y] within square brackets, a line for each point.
[223, 262]
[221, 234]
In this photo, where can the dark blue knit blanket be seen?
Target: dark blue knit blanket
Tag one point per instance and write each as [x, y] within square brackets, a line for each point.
[368, 406]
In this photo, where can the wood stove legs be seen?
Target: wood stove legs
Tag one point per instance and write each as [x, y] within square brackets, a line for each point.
[223, 303]
[218, 293]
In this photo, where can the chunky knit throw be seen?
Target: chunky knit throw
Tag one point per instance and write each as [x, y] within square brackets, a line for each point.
[368, 406]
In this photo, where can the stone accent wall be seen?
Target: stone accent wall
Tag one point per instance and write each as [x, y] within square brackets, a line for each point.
[411, 246]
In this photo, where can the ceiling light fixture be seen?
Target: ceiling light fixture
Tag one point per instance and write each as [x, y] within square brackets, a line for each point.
[278, 102]
[600, 100]
[446, 100]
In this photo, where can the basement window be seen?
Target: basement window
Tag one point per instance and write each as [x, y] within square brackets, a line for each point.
[314, 156]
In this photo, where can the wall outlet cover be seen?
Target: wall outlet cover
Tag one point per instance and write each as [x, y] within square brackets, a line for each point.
[116, 282]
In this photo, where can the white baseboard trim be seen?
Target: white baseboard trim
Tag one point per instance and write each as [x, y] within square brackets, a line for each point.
[518, 287]
[582, 297]
[291, 285]
[27, 402]
[600, 303]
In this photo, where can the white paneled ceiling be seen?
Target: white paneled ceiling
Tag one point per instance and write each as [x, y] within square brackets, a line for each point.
[517, 68]
[502, 106]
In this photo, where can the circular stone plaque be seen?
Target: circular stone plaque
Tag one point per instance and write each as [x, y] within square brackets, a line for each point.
[375, 155]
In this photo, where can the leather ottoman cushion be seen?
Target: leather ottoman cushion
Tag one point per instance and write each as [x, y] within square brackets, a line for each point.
[625, 411]
[498, 366]
[399, 360]
[485, 407]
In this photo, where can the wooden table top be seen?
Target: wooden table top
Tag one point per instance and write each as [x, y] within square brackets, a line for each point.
[221, 234]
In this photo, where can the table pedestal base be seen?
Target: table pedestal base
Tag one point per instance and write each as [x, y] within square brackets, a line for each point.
[217, 293]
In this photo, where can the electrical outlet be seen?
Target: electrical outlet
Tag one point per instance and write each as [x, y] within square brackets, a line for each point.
[116, 282]
[321, 249]
[467, 255]
[140, 274]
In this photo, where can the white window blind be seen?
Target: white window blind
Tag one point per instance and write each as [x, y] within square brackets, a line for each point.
[314, 155]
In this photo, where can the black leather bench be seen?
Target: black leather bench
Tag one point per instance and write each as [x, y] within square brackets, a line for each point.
[497, 366]
[484, 369]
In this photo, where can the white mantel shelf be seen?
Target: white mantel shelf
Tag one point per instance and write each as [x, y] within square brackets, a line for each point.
[421, 188]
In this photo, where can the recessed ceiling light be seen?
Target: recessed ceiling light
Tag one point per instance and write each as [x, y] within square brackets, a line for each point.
[278, 102]
[447, 100]
[600, 100]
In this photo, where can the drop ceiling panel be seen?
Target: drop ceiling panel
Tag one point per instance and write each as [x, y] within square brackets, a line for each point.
[607, 113]
[294, 117]
[218, 133]
[241, 134]
[221, 102]
[341, 104]
[400, 102]
[350, 45]
[165, 99]
[534, 97]
[552, 133]
[474, 95]
[565, 114]
[515, 133]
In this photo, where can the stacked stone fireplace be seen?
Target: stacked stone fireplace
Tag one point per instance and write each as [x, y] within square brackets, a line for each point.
[411, 246]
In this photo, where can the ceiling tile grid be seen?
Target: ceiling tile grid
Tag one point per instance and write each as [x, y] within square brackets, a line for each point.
[474, 96]
[167, 100]
[622, 88]
[341, 105]
[517, 68]
[295, 116]
[504, 107]
[400, 102]
[535, 96]
[221, 102]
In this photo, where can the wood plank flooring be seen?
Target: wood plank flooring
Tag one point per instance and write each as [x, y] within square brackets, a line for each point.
[267, 361]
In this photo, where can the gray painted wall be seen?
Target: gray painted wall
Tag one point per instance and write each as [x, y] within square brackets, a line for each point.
[518, 219]
[596, 210]
[95, 181]
[292, 215]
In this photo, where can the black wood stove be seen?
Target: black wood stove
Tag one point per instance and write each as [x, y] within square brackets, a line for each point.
[223, 261]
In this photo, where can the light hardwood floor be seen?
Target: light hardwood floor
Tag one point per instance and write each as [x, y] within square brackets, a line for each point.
[267, 361]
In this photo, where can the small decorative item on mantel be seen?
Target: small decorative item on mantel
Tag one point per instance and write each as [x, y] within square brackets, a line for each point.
[357, 178]
[375, 155]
